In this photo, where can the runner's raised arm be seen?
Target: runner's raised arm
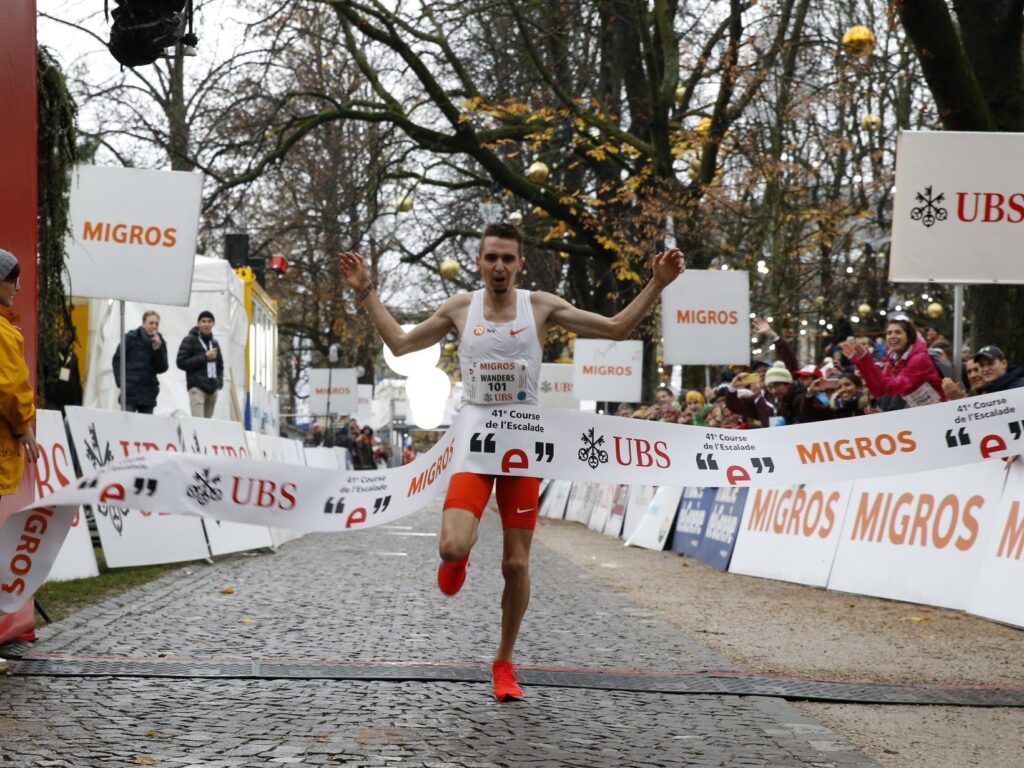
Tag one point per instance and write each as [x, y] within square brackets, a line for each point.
[665, 268]
[399, 341]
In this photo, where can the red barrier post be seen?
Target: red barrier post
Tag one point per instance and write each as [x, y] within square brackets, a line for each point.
[18, 211]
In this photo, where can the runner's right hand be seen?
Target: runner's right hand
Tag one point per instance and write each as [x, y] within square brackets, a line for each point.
[353, 267]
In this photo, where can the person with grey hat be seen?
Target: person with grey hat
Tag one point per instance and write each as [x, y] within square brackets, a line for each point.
[200, 358]
[17, 395]
[996, 373]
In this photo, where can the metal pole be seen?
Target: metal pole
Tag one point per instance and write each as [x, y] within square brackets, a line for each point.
[958, 332]
[330, 420]
[124, 355]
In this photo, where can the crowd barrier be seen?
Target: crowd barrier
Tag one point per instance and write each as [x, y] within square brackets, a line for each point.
[952, 538]
[147, 536]
[853, 502]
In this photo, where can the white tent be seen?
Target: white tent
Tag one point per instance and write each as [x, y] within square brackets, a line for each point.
[215, 287]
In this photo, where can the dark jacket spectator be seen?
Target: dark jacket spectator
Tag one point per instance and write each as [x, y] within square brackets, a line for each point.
[362, 450]
[192, 359]
[842, 330]
[776, 405]
[780, 401]
[145, 356]
[996, 371]
[815, 405]
[849, 398]
[908, 377]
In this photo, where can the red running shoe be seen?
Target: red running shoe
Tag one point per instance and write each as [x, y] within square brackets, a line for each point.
[506, 687]
[451, 576]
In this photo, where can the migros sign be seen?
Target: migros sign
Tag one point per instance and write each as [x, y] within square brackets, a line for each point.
[853, 448]
[707, 317]
[607, 370]
[129, 234]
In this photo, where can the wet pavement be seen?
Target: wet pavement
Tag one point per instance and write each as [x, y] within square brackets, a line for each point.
[372, 597]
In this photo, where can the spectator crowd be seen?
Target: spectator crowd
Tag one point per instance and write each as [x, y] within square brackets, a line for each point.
[906, 368]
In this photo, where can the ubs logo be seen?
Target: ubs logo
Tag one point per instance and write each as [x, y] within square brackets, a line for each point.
[591, 453]
[205, 489]
[930, 210]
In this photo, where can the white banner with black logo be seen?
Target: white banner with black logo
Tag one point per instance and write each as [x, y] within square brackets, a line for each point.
[565, 445]
[958, 210]
[54, 470]
[224, 438]
[145, 533]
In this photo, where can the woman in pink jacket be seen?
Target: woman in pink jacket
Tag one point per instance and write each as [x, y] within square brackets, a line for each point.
[908, 377]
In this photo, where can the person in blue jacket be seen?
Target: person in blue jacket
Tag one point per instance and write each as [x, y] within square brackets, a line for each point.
[145, 357]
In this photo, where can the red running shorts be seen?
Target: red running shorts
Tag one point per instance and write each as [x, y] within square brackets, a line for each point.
[517, 497]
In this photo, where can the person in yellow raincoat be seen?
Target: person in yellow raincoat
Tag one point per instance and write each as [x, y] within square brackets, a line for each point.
[17, 398]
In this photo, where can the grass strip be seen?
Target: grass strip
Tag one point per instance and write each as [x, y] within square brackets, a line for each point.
[60, 599]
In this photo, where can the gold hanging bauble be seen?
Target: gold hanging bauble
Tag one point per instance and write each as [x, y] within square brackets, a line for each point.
[935, 310]
[871, 123]
[538, 172]
[859, 41]
[515, 218]
[449, 348]
[404, 203]
[864, 310]
[449, 268]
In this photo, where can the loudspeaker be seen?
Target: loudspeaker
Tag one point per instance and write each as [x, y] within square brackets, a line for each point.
[236, 250]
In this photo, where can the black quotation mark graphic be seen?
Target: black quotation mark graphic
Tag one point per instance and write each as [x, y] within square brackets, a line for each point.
[544, 451]
[337, 506]
[142, 484]
[709, 463]
[1015, 429]
[763, 464]
[962, 438]
[485, 446]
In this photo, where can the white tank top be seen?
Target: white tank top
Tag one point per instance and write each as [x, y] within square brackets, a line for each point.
[500, 362]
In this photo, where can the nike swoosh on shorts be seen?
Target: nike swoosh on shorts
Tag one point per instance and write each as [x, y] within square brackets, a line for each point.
[523, 511]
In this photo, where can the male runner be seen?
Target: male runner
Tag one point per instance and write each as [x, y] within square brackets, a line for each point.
[500, 322]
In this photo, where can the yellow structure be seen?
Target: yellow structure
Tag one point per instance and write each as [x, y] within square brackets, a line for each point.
[262, 410]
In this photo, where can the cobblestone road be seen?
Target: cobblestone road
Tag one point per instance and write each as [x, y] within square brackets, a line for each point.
[372, 596]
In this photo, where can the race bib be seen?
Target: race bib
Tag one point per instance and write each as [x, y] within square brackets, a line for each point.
[923, 395]
[496, 381]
